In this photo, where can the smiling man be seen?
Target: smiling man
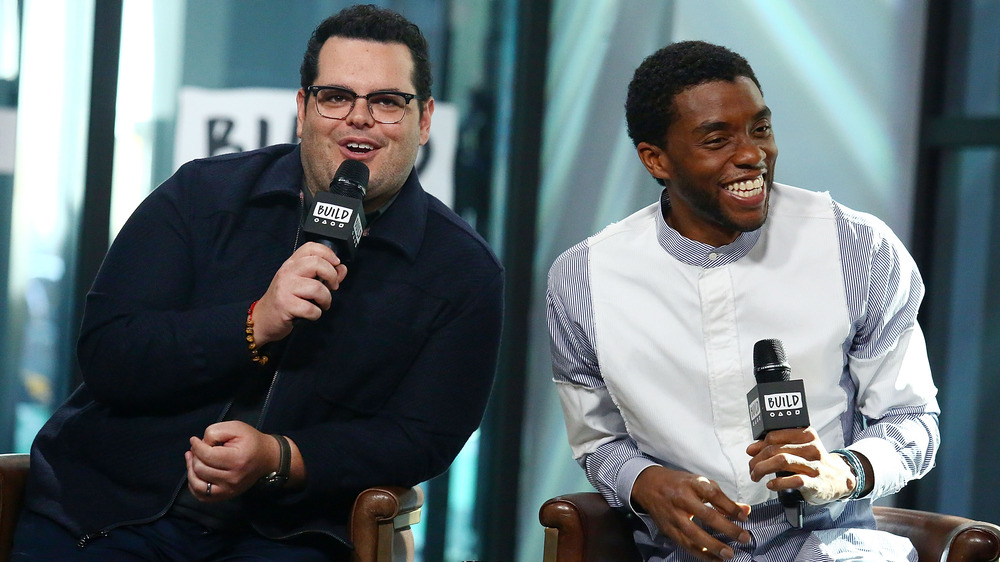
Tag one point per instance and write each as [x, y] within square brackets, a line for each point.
[654, 322]
[241, 385]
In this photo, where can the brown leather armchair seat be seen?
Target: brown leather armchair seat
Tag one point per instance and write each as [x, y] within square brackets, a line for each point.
[379, 523]
[581, 527]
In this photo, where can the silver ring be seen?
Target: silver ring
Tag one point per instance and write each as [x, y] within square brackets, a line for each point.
[208, 489]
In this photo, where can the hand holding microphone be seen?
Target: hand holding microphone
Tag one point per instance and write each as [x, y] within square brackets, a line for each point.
[777, 404]
[302, 287]
[337, 217]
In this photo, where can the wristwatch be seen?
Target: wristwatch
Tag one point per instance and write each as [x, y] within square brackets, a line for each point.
[279, 477]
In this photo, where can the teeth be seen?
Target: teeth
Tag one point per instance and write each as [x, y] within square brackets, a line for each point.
[359, 146]
[747, 188]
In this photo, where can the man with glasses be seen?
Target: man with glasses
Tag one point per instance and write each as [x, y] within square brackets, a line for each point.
[241, 386]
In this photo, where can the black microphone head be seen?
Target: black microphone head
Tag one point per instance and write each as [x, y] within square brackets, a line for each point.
[769, 362]
[351, 179]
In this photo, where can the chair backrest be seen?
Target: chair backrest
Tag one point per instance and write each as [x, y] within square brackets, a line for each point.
[379, 523]
[13, 477]
[582, 527]
[942, 538]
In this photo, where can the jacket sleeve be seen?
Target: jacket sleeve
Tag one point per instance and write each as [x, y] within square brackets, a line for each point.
[427, 419]
[146, 341]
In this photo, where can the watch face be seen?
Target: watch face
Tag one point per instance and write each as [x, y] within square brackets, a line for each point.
[274, 479]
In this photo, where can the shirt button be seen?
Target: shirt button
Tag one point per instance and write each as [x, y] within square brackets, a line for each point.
[713, 256]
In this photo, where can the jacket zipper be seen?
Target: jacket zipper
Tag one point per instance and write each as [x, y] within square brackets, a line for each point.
[88, 538]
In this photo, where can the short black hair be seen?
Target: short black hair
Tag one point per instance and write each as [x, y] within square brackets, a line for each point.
[371, 23]
[649, 106]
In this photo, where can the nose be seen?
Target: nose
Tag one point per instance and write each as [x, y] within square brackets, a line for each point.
[360, 115]
[749, 153]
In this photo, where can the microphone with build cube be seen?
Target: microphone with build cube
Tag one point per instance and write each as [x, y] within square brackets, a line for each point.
[777, 402]
[337, 217]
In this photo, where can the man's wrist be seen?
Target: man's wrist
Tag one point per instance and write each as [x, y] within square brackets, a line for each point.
[279, 477]
[854, 463]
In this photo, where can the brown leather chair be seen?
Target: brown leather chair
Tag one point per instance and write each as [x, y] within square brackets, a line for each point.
[379, 522]
[13, 476]
[581, 527]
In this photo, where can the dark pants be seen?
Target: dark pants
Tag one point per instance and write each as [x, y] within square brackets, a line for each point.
[167, 539]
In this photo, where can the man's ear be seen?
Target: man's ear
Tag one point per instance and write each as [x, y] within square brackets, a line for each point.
[655, 160]
[301, 105]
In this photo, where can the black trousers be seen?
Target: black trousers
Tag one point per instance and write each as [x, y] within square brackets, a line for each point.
[170, 538]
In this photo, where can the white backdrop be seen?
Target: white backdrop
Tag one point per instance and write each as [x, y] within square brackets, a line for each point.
[219, 121]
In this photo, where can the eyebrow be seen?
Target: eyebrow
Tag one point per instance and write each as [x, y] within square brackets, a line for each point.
[710, 126]
[351, 90]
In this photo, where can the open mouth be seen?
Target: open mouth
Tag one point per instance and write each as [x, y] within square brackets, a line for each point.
[748, 188]
[360, 147]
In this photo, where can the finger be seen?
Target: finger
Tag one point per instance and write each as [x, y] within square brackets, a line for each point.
[786, 481]
[721, 520]
[198, 487]
[209, 460]
[223, 432]
[698, 542]
[790, 436]
[317, 249]
[771, 460]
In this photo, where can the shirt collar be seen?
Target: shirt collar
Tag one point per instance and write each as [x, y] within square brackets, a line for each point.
[697, 253]
[400, 224]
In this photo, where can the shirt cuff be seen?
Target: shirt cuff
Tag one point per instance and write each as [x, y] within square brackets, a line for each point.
[623, 487]
[885, 466]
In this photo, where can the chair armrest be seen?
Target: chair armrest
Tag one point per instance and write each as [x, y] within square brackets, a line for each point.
[13, 477]
[942, 538]
[378, 515]
[582, 527]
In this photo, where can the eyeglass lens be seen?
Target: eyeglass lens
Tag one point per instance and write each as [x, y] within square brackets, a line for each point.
[385, 107]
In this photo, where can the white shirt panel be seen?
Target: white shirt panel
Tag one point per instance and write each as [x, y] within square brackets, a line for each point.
[675, 341]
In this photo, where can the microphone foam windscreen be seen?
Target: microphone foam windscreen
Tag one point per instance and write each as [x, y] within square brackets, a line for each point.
[356, 175]
[769, 361]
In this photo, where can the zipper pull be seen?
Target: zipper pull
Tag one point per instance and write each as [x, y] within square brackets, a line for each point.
[87, 539]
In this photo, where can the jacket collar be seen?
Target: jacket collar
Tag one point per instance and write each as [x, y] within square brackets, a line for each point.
[401, 225]
[283, 177]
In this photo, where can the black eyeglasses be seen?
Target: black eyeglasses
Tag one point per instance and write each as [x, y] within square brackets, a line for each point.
[337, 103]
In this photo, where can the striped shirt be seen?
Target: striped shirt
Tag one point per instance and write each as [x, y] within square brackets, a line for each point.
[621, 349]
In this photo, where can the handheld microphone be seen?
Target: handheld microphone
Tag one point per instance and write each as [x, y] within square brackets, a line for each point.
[777, 403]
[337, 217]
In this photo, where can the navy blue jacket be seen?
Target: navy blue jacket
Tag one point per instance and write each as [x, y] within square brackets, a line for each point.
[384, 389]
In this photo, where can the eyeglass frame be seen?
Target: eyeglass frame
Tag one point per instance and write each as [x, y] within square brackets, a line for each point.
[315, 89]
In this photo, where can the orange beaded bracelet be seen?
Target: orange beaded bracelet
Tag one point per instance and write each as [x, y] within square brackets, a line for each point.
[255, 355]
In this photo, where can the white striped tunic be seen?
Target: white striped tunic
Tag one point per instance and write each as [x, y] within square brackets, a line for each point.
[652, 340]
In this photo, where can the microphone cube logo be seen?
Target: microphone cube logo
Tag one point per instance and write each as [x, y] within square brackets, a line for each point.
[328, 213]
[783, 402]
[777, 405]
[357, 232]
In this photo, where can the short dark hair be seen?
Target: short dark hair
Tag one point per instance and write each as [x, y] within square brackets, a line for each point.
[649, 106]
[371, 23]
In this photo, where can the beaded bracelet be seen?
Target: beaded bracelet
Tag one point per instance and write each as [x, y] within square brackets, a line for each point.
[255, 355]
[859, 471]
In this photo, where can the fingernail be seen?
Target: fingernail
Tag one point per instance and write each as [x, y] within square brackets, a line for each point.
[727, 553]
[744, 537]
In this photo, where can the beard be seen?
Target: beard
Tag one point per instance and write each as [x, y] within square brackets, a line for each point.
[707, 206]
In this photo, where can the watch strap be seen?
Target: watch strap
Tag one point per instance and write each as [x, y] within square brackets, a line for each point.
[280, 476]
